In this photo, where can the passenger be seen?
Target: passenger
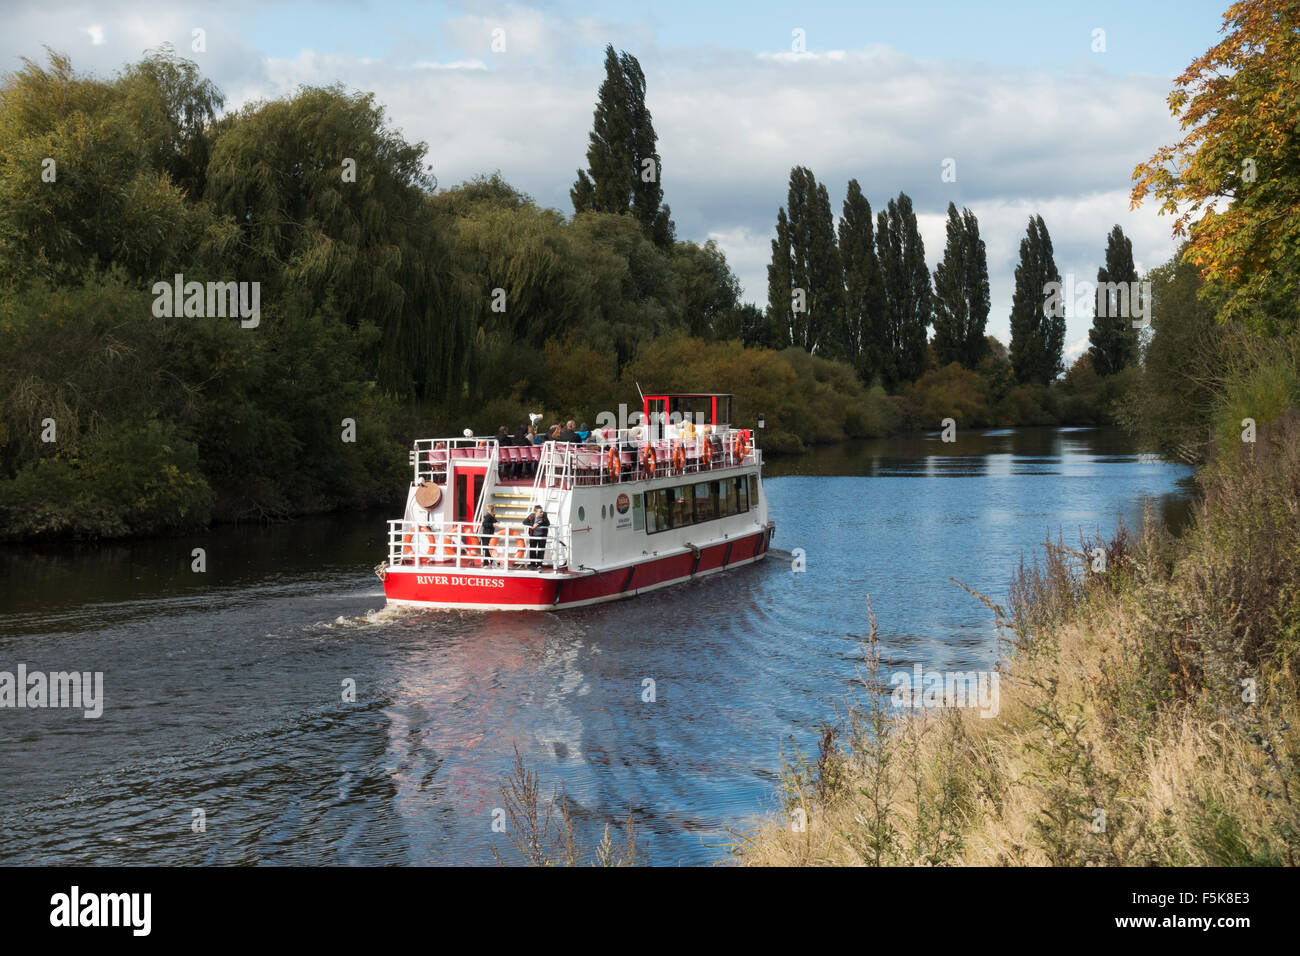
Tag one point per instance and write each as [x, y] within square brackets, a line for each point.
[489, 527]
[534, 436]
[537, 526]
[583, 432]
[569, 434]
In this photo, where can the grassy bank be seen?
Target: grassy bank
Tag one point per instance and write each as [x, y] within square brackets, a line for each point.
[1147, 713]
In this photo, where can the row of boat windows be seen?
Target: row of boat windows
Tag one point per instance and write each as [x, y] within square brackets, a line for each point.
[687, 504]
[684, 505]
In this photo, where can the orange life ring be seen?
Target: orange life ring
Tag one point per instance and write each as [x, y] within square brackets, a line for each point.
[707, 453]
[407, 548]
[612, 460]
[499, 547]
[648, 458]
[679, 457]
[471, 549]
[746, 446]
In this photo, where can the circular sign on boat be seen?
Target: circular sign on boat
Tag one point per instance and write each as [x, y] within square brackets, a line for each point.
[428, 495]
[624, 502]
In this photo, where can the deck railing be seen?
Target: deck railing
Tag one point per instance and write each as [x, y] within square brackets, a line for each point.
[459, 546]
[431, 455]
[566, 464]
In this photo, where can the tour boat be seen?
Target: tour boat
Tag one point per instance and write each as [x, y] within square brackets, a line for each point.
[675, 496]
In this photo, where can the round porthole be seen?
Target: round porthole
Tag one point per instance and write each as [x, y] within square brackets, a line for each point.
[602, 512]
[582, 513]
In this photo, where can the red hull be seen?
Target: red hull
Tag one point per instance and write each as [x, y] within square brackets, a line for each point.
[452, 588]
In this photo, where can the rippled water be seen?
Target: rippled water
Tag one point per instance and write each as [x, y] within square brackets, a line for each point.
[223, 689]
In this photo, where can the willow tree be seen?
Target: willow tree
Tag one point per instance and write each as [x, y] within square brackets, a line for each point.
[332, 205]
[99, 173]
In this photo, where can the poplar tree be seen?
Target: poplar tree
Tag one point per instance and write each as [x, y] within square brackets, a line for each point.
[863, 331]
[1113, 338]
[1037, 330]
[906, 280]
[805, 279]
[624, 174]
[961, 293]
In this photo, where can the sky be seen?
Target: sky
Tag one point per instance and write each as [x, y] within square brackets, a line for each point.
[1042, 108]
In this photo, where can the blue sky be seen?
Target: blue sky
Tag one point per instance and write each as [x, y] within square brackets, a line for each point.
[1036, 120]
[1152, 37]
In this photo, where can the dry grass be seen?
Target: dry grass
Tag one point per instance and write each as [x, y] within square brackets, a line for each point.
[543, 832]
[1125, 693]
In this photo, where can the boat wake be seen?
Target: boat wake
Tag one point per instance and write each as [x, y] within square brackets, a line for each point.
[376, 618]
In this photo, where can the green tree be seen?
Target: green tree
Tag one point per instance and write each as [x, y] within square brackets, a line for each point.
[1113, 338]
[1179, 381]
[864, 334]
[906, 278]
[961, 293]
[1037, 318]
[624, 173]
[371, 245]
[805, 278]
[710, 291]
[99, 172]
[1233, 181]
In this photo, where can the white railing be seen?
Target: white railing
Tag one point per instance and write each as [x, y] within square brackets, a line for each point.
[431, 456]
[565, 464]
[459, 546]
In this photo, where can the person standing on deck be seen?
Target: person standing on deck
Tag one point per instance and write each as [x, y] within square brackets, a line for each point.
[537, 526]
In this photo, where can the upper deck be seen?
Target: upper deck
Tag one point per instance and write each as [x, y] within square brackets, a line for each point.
[615, 456]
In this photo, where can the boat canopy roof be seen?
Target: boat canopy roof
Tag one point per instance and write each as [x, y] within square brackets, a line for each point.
[713, 408]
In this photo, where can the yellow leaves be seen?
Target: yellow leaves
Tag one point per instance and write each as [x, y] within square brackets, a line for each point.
[1246, 113]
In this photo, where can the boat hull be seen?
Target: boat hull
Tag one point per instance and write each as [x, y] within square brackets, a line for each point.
[470, 589]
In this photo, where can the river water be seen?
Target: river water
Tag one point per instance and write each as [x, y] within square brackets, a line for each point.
[224, 689]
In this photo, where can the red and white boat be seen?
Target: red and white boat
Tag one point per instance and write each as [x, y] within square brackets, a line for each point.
[674, 497]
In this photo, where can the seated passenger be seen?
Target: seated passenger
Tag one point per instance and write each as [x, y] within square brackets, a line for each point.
[570, 433]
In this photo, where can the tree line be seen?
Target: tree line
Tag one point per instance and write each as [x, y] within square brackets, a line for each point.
[391, 308]
[863, 293]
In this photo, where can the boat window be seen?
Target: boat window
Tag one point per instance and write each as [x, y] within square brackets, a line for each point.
[683, 512]
[706, 501]
[638, 516]
[582, 513]
[726, 497]
[656, 511]
[690, 504]
[753, 491]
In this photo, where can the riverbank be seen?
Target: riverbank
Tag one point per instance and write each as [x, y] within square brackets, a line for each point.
[1146, 708]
